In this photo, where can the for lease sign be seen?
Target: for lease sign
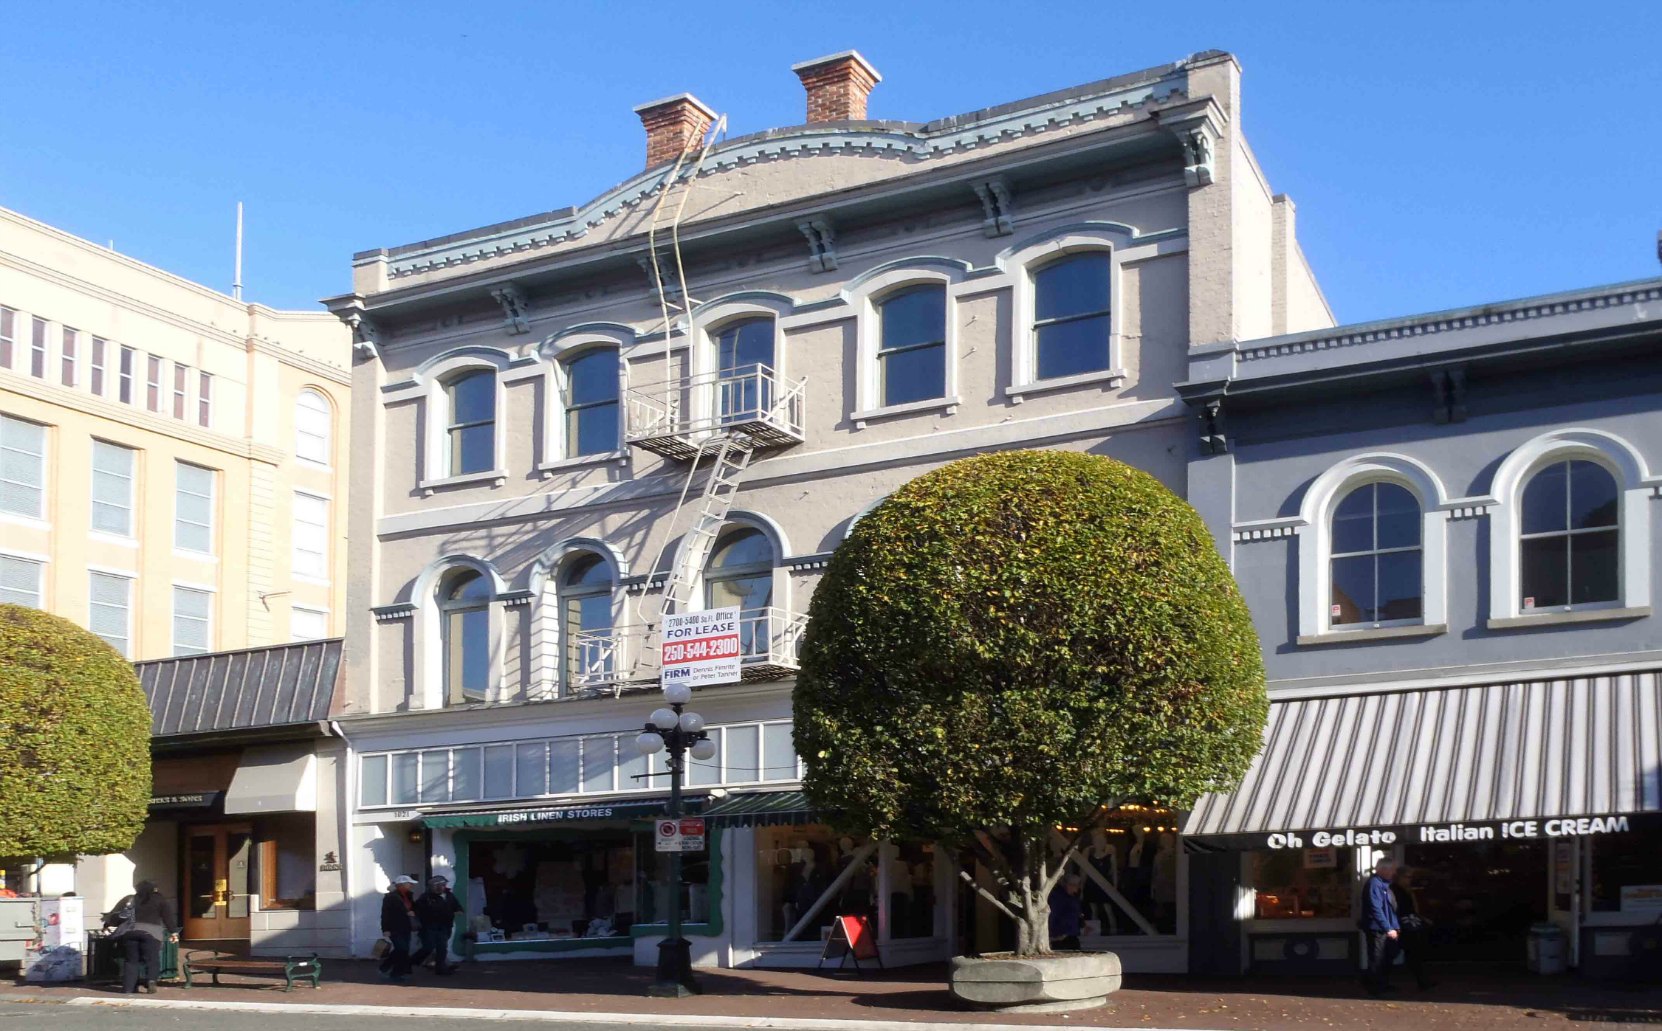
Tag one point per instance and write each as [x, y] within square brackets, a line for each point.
[701, 648]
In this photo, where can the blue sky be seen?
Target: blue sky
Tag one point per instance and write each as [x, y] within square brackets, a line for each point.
[1440, 154]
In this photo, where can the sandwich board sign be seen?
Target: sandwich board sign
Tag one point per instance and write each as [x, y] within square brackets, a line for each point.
[701, 648]
[851, 937]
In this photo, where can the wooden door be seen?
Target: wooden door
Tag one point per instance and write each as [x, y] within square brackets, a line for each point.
[216, 898]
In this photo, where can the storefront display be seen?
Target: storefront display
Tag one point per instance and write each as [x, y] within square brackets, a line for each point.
[1129, 872]
[1301, 884]
[554, 887]
[796, 865]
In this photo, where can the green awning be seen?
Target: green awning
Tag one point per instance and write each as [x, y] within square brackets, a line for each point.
[526, 816]
[761, 809]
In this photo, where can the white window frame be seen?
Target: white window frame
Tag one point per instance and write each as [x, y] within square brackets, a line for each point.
[126, 373]
[708, 321]
[69, 358]
[322, 614]
[38, 347]
[321, 454]
[435, 380]
[213, 509]
[1315, 548]
[427, 687]
[562, 384]
[1634, 485]
[181, 390]
[8, 336]
[207, 592]
[204, 398]
[296, 551]
[153, 385]
[40, 563]
[867, 299]
[130, 504]
[554, 354]
[130, 579]
[38, 517]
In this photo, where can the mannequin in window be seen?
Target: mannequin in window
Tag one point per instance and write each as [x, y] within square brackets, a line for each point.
[1102, 858]
[1138, 876]
[1164, 887]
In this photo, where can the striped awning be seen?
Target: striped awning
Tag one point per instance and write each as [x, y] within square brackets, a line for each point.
[1450, 759]
[761, 809]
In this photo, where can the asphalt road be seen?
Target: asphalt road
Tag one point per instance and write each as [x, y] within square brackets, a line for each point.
[51, 1017]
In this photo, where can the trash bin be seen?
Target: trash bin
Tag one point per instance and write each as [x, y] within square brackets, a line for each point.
[1546, 949]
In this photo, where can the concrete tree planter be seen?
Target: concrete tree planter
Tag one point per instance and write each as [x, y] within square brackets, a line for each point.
[1040, 984]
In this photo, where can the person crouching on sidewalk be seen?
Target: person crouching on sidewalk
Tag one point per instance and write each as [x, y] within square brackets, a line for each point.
[436, 909]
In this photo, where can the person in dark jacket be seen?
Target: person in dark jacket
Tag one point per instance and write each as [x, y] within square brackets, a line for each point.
[1379, 921]
[1412, 937]
[436, 909]
[142, 921]
[1067, 910]
[398, 920]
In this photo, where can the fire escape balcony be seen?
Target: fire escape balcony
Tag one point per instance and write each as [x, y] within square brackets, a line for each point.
[768, 643]
[753, 403]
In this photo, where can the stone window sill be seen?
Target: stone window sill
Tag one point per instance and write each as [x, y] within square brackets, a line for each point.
[933, 404]
[1107, 377]
[547, 469]
[1381, 633]
[1563, 616]
[494, 477]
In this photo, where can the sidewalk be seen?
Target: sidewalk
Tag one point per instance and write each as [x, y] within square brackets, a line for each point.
[917, 995]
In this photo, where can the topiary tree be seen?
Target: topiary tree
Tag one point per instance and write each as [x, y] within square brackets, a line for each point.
[1014, 642]
[74, 740]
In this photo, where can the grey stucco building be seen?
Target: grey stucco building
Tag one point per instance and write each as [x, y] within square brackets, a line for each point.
[1445, 527]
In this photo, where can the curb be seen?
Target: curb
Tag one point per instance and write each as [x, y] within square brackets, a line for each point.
[551, 1016]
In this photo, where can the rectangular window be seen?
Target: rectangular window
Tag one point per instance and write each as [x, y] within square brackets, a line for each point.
[744, 757]
[95, 382]
[8, 336]
[204, 399]
[20, 581]
[435, 776]
[22, 467]
[778, 753]
[288, 875]
[702, 773]
[181, 376]
[631, 766]
[464, 775]
[911, 353]
[530, 769]
[564, 767]
[591, 404]
[1071, 325]
[37, 349]
[599, 760]
[112, 488]
[308, 624]
[372, 780]
[71, 341]
[124, 392]
[110, 610]
[311, 536]
[499, 771]
[192, 630]
[404, 778]
[153, 385]
[193, 508]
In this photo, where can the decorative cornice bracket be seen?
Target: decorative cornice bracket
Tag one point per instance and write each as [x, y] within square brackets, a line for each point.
[514, 307]
[997, 206]
[1198, 131]
[822, 243]
[1213, 438]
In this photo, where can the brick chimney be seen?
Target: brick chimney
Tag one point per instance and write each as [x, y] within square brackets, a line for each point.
[672, 125]
[837, 86]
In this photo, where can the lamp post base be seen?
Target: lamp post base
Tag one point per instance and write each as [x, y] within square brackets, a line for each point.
[675, 979]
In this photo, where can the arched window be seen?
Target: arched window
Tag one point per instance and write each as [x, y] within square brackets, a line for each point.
[464, 610]
[911, 348]
[470, 429]
[740, 572]
[312, 427]
[1072, 328]
[745, 368]
[1569, 537]
[591, 397]
[585, 594]
[1377, 557]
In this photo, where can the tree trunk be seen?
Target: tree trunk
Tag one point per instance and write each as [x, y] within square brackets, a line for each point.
[1029, 867]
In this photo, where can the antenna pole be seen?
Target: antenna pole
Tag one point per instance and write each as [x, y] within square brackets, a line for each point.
[236, 286]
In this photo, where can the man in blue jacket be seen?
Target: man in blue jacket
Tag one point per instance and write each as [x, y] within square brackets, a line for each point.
[1379, 921]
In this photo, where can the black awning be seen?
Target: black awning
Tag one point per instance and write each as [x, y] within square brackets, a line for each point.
[762, 809]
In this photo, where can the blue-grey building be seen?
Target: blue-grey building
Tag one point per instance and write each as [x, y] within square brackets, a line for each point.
[1444, 525]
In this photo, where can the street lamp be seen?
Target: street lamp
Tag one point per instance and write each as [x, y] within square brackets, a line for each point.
[678, 732]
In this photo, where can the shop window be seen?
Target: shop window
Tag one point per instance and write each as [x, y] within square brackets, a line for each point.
[1071, 316]
[652, 873]
[911, 349]
[1569, 541]
[911, 888]
[795, 866]
[554, 888]
[1624, 872]
[1134, 853]
[288, 873]
[1300, 883]
[1377, 560]
[591, 402]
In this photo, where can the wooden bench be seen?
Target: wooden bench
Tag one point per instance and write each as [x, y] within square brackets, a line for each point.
[288, 968]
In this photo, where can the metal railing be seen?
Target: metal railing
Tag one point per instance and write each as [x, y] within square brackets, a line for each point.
[671, 417]
[769, 639]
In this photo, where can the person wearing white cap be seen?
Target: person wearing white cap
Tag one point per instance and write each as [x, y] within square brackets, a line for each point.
[398, 920]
